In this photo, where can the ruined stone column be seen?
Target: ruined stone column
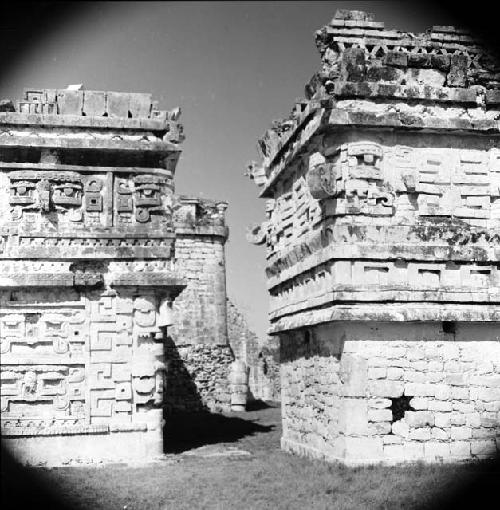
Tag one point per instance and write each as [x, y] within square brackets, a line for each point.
[87, 275]
[383, 247]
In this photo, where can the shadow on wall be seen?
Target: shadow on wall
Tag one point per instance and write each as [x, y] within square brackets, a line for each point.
[180, 393]
[23, 487]
[186, 431]
[188, 421]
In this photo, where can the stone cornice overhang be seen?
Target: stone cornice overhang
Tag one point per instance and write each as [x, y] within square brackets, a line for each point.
[36, 280]
[84, 123]
[153, 280]
[90, 233]
[393, 294]
[173, 284]
[457, 246]
[85, 245]
[388, 312]
[324, 115]
[58, 167]
[220, 231]
[125, 146]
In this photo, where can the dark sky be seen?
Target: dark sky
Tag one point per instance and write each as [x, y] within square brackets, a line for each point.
[232, 67]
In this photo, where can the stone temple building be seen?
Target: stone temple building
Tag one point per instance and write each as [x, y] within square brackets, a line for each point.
[383, 247]
[113, 306]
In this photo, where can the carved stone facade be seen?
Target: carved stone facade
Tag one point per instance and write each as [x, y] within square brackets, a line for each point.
[383, 235]
[94, 249]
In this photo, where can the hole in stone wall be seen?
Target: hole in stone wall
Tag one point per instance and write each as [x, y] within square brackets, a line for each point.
[449, 327]
[399, 406]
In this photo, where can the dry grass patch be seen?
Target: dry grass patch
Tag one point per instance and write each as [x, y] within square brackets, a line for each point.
[268, 479]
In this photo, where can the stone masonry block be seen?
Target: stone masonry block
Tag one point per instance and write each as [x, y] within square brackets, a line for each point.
[459, 393]
[460, 449]
[94, 103]
[363, 448]
[353, 417]
[460, 433]
[387, 389]
[418, 419]
[392, 439]
[473, 420]
[419, 390]
[354, 374]
[442, 391]
[379, 403]
[420, 403]
[140, 105]
[375, 415]
[117, 104]
[394, 451]
[420, 434]
[377, 373]
[395, 373]
[414, 450]
[442, 419]
[481, 433]
[400, 428]
[483, 448]
[457, 418]
[438, 433]
[440, 405]
[379, 428]
[70, 102]
[434, 450]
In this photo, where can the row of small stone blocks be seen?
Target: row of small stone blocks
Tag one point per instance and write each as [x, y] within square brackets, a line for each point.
[90, 103]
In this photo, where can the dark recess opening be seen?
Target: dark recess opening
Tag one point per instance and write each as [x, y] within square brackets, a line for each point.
[449, 327]
[399, 406]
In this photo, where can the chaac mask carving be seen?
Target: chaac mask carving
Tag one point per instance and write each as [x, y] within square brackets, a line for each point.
[354, 178]
[45, 192]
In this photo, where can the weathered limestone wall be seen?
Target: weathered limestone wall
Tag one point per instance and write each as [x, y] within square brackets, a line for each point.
[383, 231]
[391, 392]
[198, 353]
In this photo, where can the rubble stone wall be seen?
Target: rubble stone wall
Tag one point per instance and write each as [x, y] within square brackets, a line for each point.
[391, 392]
[198, 378]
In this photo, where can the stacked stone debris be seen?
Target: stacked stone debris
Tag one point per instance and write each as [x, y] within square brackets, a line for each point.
[383, 247]
[94, 248]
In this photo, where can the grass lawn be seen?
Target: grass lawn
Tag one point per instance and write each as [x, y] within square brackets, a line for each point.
[266, 479]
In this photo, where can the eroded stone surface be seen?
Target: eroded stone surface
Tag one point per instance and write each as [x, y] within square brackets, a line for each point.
[383, 235]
